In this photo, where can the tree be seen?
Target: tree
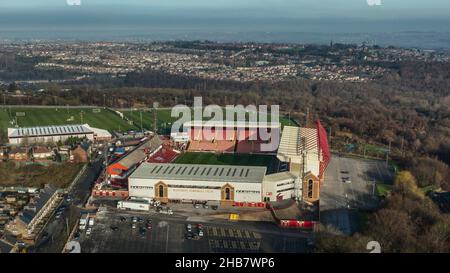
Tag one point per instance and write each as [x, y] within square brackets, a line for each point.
[394, 231]
[405, 185]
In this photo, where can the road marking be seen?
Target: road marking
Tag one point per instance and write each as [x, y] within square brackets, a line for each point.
[167, 238]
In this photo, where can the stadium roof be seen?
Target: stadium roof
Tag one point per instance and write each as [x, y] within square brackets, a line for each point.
[294, 141]
[53, 130]
[235, 124]
[216, 173]
[139, 154]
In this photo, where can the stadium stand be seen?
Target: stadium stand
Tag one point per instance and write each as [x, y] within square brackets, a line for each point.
[164, 155]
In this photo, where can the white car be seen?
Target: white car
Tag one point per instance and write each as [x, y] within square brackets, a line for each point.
[89, 231]
[200, 233]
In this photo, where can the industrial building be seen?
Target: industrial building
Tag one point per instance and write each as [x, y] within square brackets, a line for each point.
[55, 133]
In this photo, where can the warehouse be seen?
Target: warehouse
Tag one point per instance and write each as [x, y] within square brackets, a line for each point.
[53, 134]
[178, 182]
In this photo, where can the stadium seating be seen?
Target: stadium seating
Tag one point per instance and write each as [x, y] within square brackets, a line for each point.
[164, 155]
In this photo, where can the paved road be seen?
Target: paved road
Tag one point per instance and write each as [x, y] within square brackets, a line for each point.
[340, 202]
[55, 233]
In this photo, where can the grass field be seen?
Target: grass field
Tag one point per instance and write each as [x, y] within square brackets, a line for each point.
[28, 117]
[100, 118]
[165, 120]
[34, 175]
[268, 161]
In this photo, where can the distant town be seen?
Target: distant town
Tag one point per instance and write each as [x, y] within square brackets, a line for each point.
[243, 62]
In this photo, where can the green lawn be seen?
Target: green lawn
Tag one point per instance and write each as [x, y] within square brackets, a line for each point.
[226, 159]
[383, 189]
[164, 119]
[28, 117]
[105, 119]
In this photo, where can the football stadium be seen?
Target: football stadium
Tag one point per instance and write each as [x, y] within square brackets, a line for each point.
[227, 165]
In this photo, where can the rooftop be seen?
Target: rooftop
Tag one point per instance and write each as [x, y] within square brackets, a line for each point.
[48, 130]
[277, 177]
[139, 153]
[217, 173]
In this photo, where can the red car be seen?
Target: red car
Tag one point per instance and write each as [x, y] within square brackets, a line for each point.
[149, 225]
[199, 226]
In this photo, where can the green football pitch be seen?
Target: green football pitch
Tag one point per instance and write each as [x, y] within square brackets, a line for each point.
[268, 161]
[95, 117]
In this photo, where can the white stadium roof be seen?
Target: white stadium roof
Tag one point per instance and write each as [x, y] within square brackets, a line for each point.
[196, 172]
[296, 140]
[54, 130]
[232, 124]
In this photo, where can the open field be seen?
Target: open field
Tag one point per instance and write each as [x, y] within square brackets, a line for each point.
[27, 117]
[166, 120]
[95, 117]
[269, 161]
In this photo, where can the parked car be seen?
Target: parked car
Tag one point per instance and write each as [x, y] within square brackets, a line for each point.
[189, 227]
[200, 233]
[196, 205]
[205, 206]
[149, 225]
[214, 207]
[89, 231]
[133, 226]
[134, 219]
[114, 228]
[189, 236]
[123, 219]
[142, 231]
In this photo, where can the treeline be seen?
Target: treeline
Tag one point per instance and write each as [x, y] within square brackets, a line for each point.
[14, 68]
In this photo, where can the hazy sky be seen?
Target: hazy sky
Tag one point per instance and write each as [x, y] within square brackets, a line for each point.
[288, 8]
[230, 20]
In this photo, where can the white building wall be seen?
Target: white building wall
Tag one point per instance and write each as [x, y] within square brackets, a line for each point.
[243, 192]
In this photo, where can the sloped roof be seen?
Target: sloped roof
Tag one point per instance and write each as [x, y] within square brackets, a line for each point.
[54, 130]
[219, 173]
[138, 154]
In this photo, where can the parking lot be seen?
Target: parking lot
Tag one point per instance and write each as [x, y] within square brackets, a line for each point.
[350, 187]
[168, 235]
